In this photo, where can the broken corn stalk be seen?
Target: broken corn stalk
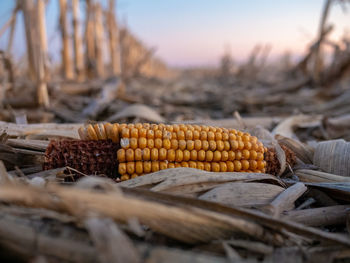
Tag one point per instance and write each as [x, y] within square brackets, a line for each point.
[146, 148]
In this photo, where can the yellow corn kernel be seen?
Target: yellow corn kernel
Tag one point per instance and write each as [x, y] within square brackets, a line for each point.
[158, 143]
[150, 143]
[158, 134]
[205, 145]
[200, 165]
[231, 155]
[253, 155]
[197, 145]
[142, 133]
[247, 145]
[147, 167]
[227, 146]
[201, 155]
[133, 143]
[187, 155]
[224, 156]
[220, 145]
[209, 155]
[142, 142]
[154, 154]
[162, 154]
[155, 166]
[207, 166]
[174, 144]
[163, 165]
[130, 125]
[225, 136]
[184, 164]
[134, 133]
[192, 164]
[204, 128]
[260, 156]
[230, 166]
[223, 167]
[100, 131]
[171, 155]
[180, 135]
[212, 145]
[124, 177]
[176, 128]
[253, 164]
[240, 145]
[138, 154]
[193, 155]
[129, 155]
[190, 145]
[150, 134]
[188, 135]
[218, 136]
[238, 165]
[130, 167]
[121, 127]
[179, 155]
[121, 155]
[146, 154]
[215, 167]
[260, 165]
[91, 133]
[125, 133]
[238, 155]
[245, 165]
[171, 165]
[139, 167]
[232, 137]
[182, 144]
[166, 144]
[217, 156]
[212, 129]
[234, 145]
[177, 165]
[211, 136]
[196, 135]
[122, 168]
[245, 154]
[203, 136]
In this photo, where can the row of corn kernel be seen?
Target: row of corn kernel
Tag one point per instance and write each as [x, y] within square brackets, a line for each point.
[141, 168]
[111, 131]
[158, 143]
[179, 132]
[178, 155]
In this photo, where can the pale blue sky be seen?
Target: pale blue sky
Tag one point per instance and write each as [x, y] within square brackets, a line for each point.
[195, 32]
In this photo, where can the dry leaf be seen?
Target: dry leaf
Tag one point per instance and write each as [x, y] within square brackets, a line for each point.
[243, 194]
[333, 157]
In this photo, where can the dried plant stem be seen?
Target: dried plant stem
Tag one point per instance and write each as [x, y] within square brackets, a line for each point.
[78, 45]
[66, 52]
[285, 200]
[99, 40]
[323, 216]
[113, 33]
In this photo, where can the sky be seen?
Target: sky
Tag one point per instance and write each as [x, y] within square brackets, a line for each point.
[196, 32]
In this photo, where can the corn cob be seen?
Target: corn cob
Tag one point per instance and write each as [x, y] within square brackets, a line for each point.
[145, 148]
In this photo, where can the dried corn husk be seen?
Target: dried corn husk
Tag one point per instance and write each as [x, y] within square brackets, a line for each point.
[304, 152]
[312, 176]
[243, 194]
[333, 157]
[190, 182]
